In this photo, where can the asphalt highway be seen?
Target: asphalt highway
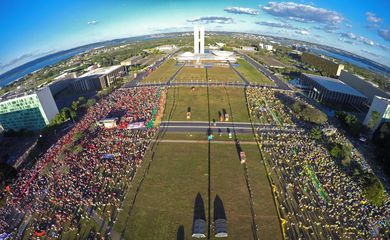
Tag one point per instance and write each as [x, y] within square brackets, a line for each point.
[266, 72]
[223, 127]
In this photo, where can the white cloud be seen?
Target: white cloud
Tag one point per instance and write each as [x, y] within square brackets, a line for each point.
[385, 33]
[359, 38]
[371, 17]
[211, 19]
[241, 10]
[302, 32]
[93, 22]
[276, 25]
[303, 12]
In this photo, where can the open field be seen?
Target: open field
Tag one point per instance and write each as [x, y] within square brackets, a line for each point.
[232, 102]
[163, 73]
[188, 74]
[252, 74]
[164, 206]
[222, 74]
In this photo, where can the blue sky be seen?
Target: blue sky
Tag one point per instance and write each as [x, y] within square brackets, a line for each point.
[31, 29]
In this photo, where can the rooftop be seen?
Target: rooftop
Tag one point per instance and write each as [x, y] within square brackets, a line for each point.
[100, 71]
[383, 99]
[334, 85]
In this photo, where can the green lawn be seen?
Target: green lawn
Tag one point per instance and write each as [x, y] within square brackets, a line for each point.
[222, 74]
[188, 74]
[178, 173]
[197, 102]
[163, 73]
[252, 74]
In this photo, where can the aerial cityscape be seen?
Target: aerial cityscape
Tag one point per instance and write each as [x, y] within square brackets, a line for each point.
[194, 120]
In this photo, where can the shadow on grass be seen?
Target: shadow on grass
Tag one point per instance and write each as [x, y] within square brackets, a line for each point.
[199, 212]
[219, 209]
[180, 233]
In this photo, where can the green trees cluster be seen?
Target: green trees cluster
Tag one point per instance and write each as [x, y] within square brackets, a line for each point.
[374, 119]
[7, 175]
[373, 188]
[341, 153]
[351, 123]
[71, 113]
[381, 139]
[63, 116]
[308, 113]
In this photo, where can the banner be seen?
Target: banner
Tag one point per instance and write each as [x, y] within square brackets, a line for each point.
[136, 125]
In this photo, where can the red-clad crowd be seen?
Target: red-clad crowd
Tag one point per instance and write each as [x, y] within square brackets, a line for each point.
[87, 172]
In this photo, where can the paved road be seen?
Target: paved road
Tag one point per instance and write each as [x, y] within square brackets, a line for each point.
[206, 141]
[266, 72]
[224, 127]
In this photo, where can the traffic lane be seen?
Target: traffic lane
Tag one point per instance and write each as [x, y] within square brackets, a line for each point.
[205, 130]
[267, 73]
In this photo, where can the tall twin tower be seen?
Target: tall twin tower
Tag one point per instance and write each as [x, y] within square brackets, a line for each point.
[198, 40]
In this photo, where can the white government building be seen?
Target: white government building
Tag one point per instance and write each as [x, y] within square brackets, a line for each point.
[199, 55]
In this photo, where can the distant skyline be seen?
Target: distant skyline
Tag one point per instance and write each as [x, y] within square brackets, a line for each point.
[32, 29]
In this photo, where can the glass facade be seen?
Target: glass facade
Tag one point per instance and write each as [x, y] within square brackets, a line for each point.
[24, 112]
[386, 115]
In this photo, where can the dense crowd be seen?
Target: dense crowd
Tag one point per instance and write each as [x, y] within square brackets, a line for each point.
[91, 173]
[316, 198]
[267, 108]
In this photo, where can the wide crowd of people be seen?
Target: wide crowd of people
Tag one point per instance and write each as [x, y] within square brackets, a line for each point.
[88, 173]
[316, 198]
[267, 108]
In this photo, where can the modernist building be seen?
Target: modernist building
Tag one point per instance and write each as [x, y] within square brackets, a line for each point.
[382, 106]
[61, 83]
[328, 66]
[199, 40]
[362, 85]
[133, 61]
[28, 111]
[266, 46]
[98, 79]
[331, 90]
[170, 47]
[248, 48]
[199, 56]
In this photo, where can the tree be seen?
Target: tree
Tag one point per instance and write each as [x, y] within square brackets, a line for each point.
[351, 123]
[7, 174]
[81, 100]
[308, 113]
[375, 117]
[316, 133]
[91, 102]
[75, 105]
[381, 139]
[341, 152]
[373, 189]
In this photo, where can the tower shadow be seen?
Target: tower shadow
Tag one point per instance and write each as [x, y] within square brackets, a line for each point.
[180, 233]
[220, 220]
[199, 222]
[219, 209]
[199, 212]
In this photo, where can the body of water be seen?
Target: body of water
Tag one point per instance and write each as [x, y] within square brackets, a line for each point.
[33, 66]
[352, 60]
